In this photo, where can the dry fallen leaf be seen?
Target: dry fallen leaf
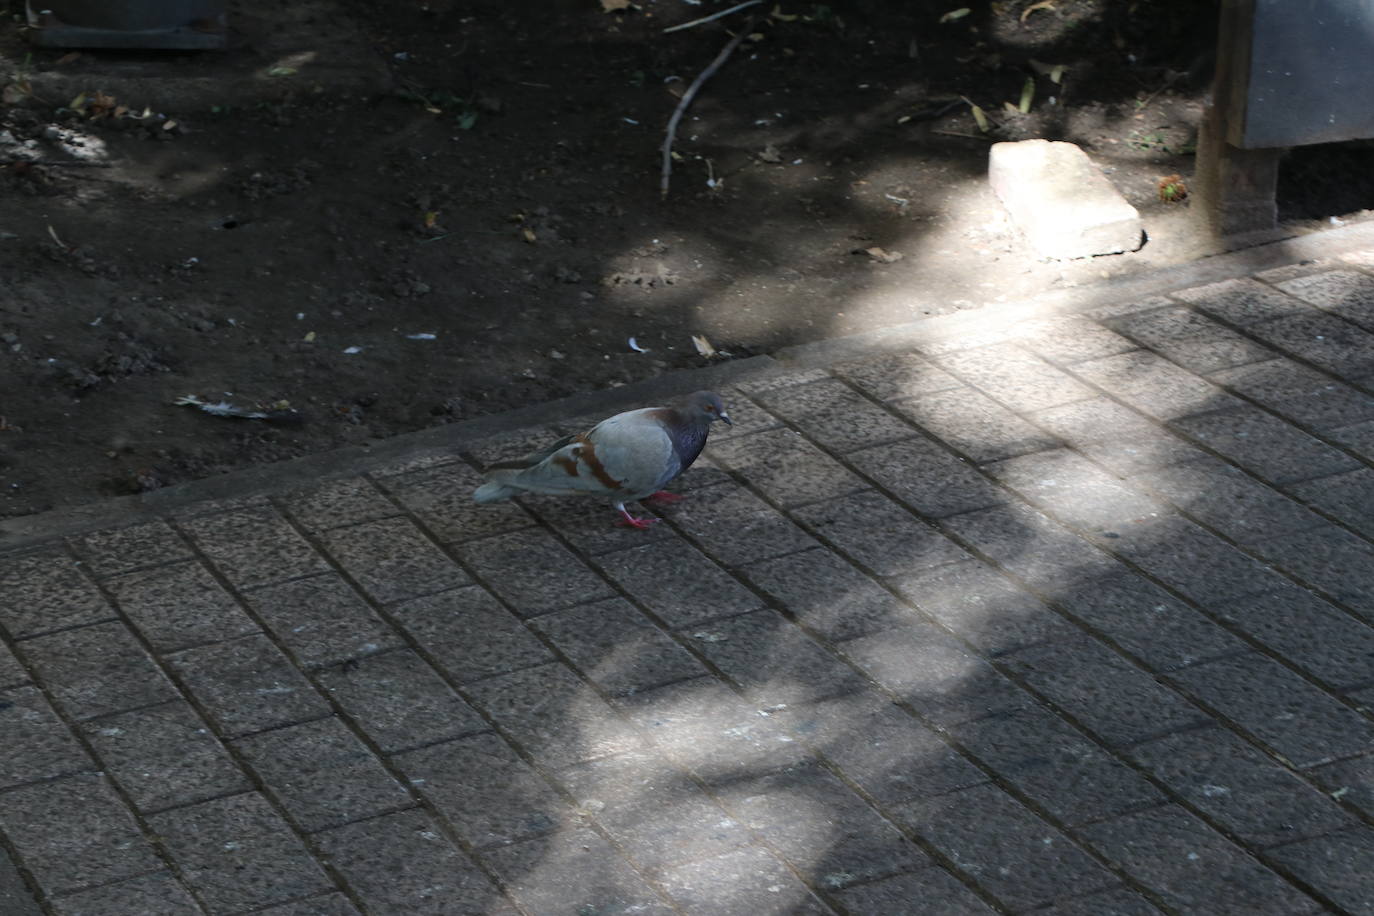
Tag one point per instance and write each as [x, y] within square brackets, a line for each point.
[704, 346]
[952, 15]
[882, 255]
[1042, 5]
[529, 235]
[610, 6]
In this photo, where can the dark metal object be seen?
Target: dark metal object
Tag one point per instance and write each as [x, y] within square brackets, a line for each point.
[163, 24]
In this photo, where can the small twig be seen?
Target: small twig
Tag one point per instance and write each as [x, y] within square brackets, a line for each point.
[712, 17]
[687, 97]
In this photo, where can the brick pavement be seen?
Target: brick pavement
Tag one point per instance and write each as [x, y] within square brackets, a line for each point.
[1074, 615]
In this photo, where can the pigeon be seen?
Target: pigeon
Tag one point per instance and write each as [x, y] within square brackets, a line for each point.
[627, 457]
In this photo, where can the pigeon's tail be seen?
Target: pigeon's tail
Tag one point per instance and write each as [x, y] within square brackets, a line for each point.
[496, 489]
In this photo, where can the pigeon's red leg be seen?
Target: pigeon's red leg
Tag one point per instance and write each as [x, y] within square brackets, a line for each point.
[663, 496]
[629, 521]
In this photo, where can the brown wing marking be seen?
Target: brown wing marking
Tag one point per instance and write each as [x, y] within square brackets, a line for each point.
[593, 463]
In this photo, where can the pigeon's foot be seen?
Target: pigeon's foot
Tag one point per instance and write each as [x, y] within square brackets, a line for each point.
[627, 520]
[664, 497]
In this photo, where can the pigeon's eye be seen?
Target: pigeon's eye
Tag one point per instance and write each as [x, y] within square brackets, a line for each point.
[710, 408]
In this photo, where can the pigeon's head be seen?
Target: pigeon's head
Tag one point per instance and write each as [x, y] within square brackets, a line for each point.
[707, 407]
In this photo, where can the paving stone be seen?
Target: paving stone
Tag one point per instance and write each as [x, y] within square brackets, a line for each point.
[1306, 266]
[1222, 497]
[401, 863]
[1190, 340]
[1241, 301]
[652, 810]
[1294, 719]
[322, 621]
[749, 417]
[942, 680]
[1115, 436]
[1193, 561]
[1074, 490]
[618, 648]
[254, 546]
[37, 745]
[157, 894]
[1326, 341]
[1308, 632]
[1054, 765]
[1009, 851]
[12, 674]
[1153, 385]
[930, 890]
[46, 591]
[786, 468]
[1118, 902]
[1348, 293]
[164, 756]
[736, 527]
[399, 702]
[509, 445]
[1349, 781]
[1348, 497]
[1358, 437]
[338, 503]
[74, 832]
[828, 595]
[443, 626]
[533, 572]
[107, 553]
[574, 871]
[95, 670]
[927, 478]
[780, 378]
[1331, 560]
[675, 582]
[1190, 867]
[978, 603]
[441, 498]
[1265, 445]
[1019, 380]
[555, 717]
[879, 534]
[896, 376]
[179, 606]
[1035, 549]
[330, 905]
[1240, 788]
[1116, 700]
[322, 774]
[836, 416]
[1303, 395]
[1068, 339]
[490, 795]
[238, 854]
[1335, 866]
[594, 526]
[16, 898]
[772, 660]
[247, 685]
[392, 561]
[974, 424]
[1116, 309]
[743, 881]
[705, 728]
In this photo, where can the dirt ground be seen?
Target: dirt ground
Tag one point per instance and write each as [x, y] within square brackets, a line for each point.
[375, 218]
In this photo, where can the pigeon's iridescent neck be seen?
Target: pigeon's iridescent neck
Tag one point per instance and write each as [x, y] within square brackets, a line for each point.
[688, 437]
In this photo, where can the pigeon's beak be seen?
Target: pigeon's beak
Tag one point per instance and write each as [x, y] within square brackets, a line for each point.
[726, 417]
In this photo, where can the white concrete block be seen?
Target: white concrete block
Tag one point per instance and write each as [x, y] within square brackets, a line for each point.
[1060, 201]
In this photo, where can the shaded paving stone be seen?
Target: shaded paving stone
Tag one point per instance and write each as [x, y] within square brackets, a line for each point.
[1307, 631]
[879, 534]
[743, 881]
[510, 445]
[574, 871]
[594, 526]
[1115, 436]
[401, 863]
[930, 890]
[880, 747]
[772, 660]
[490, 795]
[1265, 445]
[1191, 867]
[1293, 718]
[247, 685]
[1191, 560]
[74, 832]
[1348, 293]
[46, 591]
[828, 595]
[1324, 340]
[107, 553]
[179, 606]
[1241, 301]
[338, 504]
[443, 625]
[652, 810]
[1238, 787]
[823, 829]
[1010, 852]
[1054, 765]
[322, 621]
[1330, 559]
[164, 756]
[835, 415]
[12, 674]
[392, 561]
[736, 527]
[932, 671]
[1335, 866]
[677, 583]
[96, 670]
[927, 478]
[37, 745]
[786, 468]
[399, 702]
[158, 894]
[1301, 394]
[1348, 497]
[1026, 543]
[331, 905]
[533, 572]
[617, 647]
[896, 376]
[974, 424]
[1074, 490]
[254, 546]
[977, 603]
[1069, 338]
[1018, 379]
[238, 853]
[1190, 340]
[553, 715]
[1358, 437]
[1349, 781]
[1110, 696]
[1153, 385]
[707, 729]
[1119, 902]
[441, 498]
[15, 897]
[322, 774]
